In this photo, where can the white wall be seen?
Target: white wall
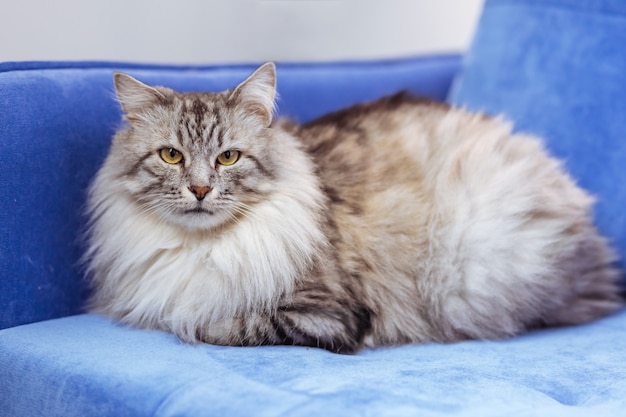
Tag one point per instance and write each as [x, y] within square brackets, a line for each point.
[211, 31]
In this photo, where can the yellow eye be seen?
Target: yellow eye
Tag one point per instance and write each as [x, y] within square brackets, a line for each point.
[171, 155]
[228, 158]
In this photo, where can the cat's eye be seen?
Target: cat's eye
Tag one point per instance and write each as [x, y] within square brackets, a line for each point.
[228, 158]
[171, 155]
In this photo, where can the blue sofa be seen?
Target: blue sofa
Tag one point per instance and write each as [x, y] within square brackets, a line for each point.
[557, 68]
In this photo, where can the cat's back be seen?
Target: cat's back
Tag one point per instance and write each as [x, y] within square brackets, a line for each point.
[430, 201]
[402, 149]
[394, 139]
[343, 137]
[404, 142]
[408, 168]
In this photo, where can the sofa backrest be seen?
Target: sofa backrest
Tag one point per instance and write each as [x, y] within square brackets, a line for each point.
[557, 68]
[56, 122]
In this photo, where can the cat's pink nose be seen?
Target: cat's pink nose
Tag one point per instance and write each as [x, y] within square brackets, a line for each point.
[199, 192]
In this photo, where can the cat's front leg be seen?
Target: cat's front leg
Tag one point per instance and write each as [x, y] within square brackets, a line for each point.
[339, 328]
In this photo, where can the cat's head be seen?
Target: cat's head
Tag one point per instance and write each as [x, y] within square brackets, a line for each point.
[197, 160]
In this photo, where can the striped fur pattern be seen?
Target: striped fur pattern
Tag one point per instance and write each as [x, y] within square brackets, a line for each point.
[391, 222]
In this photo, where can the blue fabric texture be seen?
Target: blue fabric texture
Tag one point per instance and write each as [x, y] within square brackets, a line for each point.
[56, 123]
[557, 68]
[85, 366]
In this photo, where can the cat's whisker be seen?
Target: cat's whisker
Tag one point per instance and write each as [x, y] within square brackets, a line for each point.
[160, 211]
[233, 217]
[247, 211]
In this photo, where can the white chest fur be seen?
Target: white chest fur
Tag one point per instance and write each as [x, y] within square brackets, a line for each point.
[157, 275]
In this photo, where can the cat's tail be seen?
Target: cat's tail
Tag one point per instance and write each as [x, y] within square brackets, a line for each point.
[594, 284]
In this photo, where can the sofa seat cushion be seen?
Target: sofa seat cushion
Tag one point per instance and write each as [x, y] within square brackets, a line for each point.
[86, 365]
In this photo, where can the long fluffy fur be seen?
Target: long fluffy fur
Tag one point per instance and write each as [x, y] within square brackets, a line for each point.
[397, 221]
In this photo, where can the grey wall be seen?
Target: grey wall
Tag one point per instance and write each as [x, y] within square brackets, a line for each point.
[196, 31]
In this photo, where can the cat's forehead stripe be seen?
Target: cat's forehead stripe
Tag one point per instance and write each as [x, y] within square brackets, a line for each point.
[199, 122]
[217, 129]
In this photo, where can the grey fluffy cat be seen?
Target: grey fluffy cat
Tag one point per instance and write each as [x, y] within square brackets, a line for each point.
[397, 221]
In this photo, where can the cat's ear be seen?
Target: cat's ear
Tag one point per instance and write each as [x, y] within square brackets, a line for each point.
[258, 92]
[135, 96]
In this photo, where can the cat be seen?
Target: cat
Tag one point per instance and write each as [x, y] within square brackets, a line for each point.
[390, 222]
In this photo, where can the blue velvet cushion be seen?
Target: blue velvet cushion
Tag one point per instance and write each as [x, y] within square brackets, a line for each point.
[85, 366]
[56, 123]
[557, 68]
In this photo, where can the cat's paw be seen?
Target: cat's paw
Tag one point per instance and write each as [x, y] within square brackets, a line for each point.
[335, 330]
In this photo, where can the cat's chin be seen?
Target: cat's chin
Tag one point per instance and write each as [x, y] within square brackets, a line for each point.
[199, 219]
[199, 210]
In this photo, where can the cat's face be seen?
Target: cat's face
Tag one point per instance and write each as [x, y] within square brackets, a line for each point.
[197, 160]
